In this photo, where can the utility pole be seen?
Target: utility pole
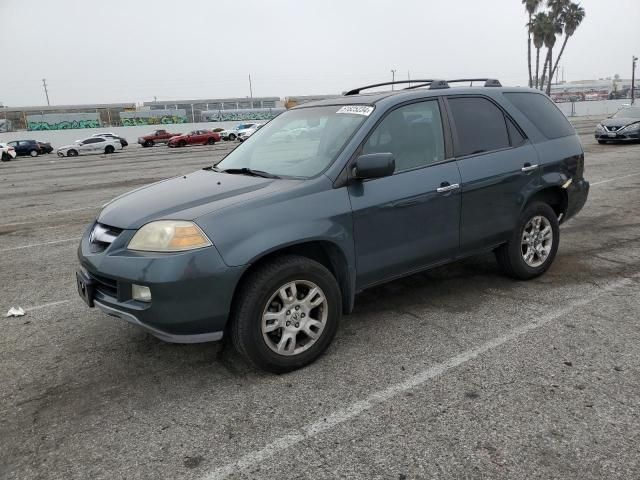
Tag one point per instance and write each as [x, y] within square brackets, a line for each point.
[409, 77]
[46, 92]
[250, 89]
[393, 78]
[633, 79]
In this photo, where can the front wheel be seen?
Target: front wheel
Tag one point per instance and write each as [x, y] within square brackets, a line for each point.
[72, 153]
[533, 245]
[148, 143]
[286, 314]
[232, 136]
[5, 157]
[602, 142]
[182, 143]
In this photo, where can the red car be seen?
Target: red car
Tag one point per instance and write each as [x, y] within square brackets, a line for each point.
[197, 137]
[158, 136]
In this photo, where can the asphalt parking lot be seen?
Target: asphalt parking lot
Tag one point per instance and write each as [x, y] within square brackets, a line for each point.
[454, 373]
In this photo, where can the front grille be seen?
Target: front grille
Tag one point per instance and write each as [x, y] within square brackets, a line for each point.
[105, 285]
[102, 236]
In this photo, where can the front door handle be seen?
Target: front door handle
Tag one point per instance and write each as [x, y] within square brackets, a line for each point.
[444, 188]
[528, 168]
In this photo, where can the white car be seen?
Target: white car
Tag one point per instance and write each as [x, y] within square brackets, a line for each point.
[123, 141]
[247, 132]
[7, 152]
[235, 132]
[90, 145]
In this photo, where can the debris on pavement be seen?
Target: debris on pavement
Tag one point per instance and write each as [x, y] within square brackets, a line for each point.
[15, 312]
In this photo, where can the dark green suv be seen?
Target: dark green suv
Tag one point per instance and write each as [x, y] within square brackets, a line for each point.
[270, 246]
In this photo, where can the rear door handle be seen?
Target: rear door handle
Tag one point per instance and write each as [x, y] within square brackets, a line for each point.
[447, 188]
[529, 168]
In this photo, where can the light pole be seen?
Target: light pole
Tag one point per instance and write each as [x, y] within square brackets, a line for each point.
[633, 79]
[393, 78]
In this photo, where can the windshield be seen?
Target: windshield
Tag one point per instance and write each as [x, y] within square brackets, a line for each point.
[632, 112]
[298, 143]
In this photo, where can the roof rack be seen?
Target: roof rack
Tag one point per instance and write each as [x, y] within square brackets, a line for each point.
[432, 84]
[356, 91]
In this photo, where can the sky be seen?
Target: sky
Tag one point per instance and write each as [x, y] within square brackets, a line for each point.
[132, 50]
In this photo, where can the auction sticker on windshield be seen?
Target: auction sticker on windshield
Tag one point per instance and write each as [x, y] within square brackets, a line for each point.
[357, 110]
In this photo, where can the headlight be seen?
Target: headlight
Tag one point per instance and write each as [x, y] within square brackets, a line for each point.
[169, 236]
[599, 128]
[633, 128]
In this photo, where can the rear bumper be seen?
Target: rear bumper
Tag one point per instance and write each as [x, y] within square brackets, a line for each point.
[577, 193]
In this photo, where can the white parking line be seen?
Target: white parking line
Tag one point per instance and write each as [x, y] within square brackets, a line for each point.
[44, 214]
[614, 179]
[350, 412]
[40, 244]
[46, 305]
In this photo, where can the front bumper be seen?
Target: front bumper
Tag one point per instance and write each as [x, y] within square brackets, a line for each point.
[620, 136]
[191, 292]
[577, 194]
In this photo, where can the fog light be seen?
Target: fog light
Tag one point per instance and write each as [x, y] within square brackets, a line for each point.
[139, 292]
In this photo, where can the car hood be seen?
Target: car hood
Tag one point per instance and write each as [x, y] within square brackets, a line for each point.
[187, 197]
[619, 122]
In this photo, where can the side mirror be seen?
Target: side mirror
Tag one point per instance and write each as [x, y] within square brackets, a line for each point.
[374, 165]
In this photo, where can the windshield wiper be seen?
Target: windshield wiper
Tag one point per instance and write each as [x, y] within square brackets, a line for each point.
[249, 171]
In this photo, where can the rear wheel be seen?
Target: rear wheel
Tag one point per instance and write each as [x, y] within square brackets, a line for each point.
[109, 149]
[211, 141]
[5, 157]
[533, 245]
[72, 153]
[33, 153]
[286, 314]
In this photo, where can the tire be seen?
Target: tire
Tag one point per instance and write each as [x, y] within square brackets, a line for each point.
[5, 157]
[148, 143]
[232, 136]
[541, 253]
[182, 143]
[72, 153]
[109, 149]
[211, 141]
[602, 142]
[261, 292]
[33, 153]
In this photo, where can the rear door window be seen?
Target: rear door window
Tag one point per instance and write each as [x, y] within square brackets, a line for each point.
[480, 125]
[540, 110]
[514, 134]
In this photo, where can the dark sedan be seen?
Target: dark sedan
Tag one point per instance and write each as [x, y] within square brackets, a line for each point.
[623, 126]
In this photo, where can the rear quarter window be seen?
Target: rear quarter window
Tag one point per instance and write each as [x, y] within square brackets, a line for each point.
[540, 110]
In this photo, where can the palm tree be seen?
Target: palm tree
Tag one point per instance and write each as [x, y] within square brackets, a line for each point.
[530, 6]
[571, 16]
[538, 25]
[552, 28]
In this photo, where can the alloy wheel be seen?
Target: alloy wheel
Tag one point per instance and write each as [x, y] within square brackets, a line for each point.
[537, 241]
[294, 317]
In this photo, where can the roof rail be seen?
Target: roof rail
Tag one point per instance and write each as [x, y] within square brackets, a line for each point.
[488, 82]
[432, 84]
[356, 91]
